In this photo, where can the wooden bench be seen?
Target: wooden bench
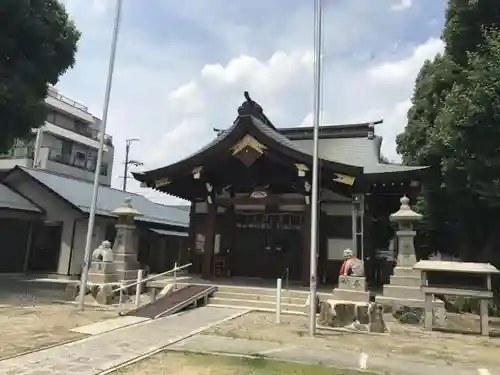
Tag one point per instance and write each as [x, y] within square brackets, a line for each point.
[463, 279]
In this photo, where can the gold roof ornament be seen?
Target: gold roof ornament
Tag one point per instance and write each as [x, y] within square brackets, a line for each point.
[248, 141]
[344, 179]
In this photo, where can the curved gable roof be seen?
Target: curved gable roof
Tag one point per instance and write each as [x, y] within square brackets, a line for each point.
[245, 124]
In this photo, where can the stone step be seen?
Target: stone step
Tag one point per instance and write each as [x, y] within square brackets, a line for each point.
[256, 305]
[406, 271]
[390, 301]
[350, 295]
[262, 291]
[273, 310]
[410, 281]
[396, 291]
[261, 297]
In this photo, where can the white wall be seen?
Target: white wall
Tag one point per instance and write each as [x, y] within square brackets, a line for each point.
[56, 210]
[78, 253]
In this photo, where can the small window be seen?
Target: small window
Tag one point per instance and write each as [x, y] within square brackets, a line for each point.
[80, 159]
[104, 169]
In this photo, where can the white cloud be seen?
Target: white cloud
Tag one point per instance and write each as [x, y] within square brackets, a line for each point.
[395, 71]
[402, 4]
[171, 95]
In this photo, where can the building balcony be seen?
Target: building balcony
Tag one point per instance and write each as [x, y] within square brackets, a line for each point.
[88, 137]
[72, 161]
[68, 106]
[95, 135]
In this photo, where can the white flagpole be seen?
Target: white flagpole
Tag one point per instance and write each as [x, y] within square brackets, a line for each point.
[318, 30]
[95, 192]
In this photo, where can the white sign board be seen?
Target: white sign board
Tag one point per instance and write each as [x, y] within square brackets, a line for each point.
[336, 247]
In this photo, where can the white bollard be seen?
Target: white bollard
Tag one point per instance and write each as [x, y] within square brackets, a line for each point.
[138, 288]
[175, 276]
[120, 300]
[278, 301]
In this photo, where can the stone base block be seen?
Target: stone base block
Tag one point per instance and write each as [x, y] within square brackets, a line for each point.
[350, 295]
[126, 275]
[409, 281]
[406, 271]
[364, 317]
[403, 292]
[352, 283]
[102, 278]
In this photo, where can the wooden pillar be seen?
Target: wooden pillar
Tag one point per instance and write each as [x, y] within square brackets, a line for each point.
[208, 250]
[306, 246]
[230, 227]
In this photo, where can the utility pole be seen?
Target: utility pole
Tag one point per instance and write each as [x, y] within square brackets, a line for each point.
[318, 39]
[97, 174]
[128, 142]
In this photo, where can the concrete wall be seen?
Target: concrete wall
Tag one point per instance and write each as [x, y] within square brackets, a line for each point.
[72, 240]
[56, 210]
[80, 237]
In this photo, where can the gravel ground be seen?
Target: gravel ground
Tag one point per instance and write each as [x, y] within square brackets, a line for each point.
[404, 340]
[31, 319]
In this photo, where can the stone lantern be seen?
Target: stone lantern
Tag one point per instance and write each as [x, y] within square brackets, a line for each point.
[405, 218]
[125, 247]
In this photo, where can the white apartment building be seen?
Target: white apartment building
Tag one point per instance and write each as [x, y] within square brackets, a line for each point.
[67, 143]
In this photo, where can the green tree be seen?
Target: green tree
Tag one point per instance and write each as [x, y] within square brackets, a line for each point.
[37, 44]
[453, 126]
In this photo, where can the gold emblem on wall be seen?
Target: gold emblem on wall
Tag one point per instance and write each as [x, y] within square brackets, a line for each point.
[344, 179]
[248, 150]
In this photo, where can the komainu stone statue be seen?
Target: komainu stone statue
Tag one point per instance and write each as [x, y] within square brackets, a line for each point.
[352, 266]
[103, 253]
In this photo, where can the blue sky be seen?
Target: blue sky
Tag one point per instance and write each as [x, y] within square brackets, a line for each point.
[182, 67]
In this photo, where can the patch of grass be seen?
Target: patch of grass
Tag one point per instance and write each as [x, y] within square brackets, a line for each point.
[264, 366]
[177, 363]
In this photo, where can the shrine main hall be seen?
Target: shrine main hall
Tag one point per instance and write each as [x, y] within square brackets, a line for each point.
[250, 190]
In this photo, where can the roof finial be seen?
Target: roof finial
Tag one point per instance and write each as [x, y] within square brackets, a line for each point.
[250, 107]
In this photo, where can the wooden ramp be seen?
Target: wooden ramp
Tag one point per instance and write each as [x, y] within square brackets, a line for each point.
[174, 302]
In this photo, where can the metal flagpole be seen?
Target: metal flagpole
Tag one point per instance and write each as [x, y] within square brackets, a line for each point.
[318, 10]
[95, 192]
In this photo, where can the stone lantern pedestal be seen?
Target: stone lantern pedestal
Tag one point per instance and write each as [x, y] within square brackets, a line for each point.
[404, 287]
[125, 247]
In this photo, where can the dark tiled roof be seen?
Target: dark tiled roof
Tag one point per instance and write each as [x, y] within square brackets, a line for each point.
[363, 152]
[11, 200]
[79, 193]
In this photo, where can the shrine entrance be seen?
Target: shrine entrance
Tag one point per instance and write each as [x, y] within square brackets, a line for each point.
[267, 244]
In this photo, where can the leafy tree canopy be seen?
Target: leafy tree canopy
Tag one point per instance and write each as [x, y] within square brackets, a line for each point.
[38, 44]
[454, 126]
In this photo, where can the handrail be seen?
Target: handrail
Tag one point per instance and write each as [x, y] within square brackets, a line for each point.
[175, 269]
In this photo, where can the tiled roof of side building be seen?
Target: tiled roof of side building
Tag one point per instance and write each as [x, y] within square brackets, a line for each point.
[79, 193]
[9, 199]
[363, 152]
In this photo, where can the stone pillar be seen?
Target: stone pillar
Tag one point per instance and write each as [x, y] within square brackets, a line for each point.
[405, 218]
[125, 246]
